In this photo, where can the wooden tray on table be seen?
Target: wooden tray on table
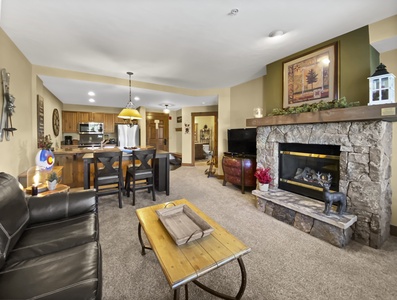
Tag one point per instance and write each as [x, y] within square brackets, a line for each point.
[183, 224]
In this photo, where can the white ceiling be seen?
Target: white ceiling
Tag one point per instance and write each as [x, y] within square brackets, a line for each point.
[181, 43]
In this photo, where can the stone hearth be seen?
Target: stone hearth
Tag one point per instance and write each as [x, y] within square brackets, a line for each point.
[365, 168]
[307, 215]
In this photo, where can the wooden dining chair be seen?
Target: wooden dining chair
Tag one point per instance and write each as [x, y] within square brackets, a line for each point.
[108, 174]
[141, 174]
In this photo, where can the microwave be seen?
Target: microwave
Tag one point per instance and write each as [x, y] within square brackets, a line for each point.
[91, 128]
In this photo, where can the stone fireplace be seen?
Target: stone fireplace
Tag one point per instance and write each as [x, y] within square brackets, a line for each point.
[304, 167]
[364, 167]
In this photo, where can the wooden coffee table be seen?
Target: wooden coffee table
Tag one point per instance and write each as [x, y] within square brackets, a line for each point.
[186, 263]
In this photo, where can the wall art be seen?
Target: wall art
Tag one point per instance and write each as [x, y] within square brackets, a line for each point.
[311, 78]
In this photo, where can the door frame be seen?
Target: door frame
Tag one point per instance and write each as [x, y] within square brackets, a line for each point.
[205, 114]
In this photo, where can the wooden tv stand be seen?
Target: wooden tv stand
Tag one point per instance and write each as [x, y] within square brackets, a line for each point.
[239, 170]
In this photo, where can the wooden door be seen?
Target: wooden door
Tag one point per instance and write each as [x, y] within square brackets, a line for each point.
[157, 130]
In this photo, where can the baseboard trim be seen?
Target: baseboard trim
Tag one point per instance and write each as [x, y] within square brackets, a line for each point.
[393, 230]
[187, 165]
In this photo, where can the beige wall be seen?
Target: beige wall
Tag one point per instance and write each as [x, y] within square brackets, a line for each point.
[50, 103]
[383, 30]
[243, 99]
[17, 154]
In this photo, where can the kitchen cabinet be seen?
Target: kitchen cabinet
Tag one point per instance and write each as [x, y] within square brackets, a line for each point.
[85, 117]
[97, 117]
[67, 161]
[73, 168]
[69, 122]
[109, 120]
[199, 151]
[71, 119]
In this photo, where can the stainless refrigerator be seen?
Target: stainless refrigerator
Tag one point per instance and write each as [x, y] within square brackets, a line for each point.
[128, 136]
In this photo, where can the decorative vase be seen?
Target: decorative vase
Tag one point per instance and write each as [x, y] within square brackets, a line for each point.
[263, 187]
[45, 159]
[51, 185]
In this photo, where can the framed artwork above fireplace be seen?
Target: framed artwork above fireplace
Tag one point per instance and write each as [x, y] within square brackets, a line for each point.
[311, 78]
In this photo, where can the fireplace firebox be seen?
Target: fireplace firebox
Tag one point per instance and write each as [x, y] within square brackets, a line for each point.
[301, 166]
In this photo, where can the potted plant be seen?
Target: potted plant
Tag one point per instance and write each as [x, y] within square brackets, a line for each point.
[52, 180]
[264, 178]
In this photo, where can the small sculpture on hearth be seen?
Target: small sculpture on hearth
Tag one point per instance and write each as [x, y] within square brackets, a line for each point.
[331, 198]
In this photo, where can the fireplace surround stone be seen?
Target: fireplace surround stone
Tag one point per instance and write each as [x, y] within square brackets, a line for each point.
[365, 167]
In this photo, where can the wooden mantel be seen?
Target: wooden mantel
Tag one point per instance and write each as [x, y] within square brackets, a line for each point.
[385, 112]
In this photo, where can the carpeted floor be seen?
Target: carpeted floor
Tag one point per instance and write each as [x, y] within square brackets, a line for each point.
[284, 263]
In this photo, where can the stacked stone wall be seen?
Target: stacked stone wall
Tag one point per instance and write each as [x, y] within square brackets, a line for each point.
[365, 167]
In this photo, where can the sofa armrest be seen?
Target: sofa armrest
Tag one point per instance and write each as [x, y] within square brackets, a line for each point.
[61, 205]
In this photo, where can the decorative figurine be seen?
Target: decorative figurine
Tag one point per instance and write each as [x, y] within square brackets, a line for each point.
[331, 198]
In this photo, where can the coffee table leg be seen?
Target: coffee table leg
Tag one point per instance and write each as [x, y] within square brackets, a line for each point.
[223, 296]
[143, 252]
[177, 293]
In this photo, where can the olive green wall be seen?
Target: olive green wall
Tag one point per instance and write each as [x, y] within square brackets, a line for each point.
[356, 62]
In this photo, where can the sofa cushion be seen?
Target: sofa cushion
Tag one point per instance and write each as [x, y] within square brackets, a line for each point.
[73, 273]
[14, 214]
[61, 205]
[54, 236]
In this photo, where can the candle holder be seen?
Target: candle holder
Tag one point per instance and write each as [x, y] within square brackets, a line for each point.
[35, 190]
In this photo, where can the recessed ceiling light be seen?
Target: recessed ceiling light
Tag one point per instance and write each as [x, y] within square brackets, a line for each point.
[276, 33]
[91, 93]
[137, 98]
[91, 100]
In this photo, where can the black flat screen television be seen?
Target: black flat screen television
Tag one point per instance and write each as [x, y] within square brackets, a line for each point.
[241, 141]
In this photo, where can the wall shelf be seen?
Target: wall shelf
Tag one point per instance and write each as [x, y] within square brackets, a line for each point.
[385, 112]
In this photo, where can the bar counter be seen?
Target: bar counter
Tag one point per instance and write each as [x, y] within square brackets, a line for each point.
[78, 170]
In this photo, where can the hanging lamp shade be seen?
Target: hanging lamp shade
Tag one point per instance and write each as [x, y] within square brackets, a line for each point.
[130, 112]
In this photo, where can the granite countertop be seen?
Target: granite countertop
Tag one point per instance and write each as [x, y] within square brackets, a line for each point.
[75, 150]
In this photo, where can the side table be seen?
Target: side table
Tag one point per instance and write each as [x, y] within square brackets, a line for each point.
[61, 188]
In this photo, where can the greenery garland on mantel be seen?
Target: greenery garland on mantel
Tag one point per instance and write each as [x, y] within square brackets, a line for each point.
[321, 105]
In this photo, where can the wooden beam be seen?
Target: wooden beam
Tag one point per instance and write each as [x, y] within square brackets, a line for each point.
[385, 112]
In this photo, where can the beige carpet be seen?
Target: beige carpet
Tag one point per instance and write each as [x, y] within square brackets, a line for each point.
[284, 263]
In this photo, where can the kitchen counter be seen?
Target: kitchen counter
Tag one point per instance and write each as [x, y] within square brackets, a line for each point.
[161, 170]
[71, 158]
[74, 149]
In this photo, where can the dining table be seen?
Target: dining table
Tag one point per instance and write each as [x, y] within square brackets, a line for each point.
[161, 169]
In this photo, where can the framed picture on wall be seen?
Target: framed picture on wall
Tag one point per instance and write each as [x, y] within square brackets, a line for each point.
[40, 118]
[179, 119]
[311, 78]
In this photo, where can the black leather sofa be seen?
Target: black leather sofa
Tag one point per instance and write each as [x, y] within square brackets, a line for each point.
[49, 246]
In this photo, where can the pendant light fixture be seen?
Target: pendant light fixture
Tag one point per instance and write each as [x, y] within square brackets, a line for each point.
[129, 112]
[166, 110]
